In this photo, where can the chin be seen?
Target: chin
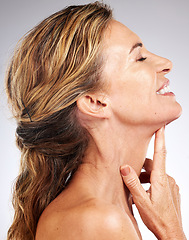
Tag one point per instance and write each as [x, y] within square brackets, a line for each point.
[166, 116]
[174, 114]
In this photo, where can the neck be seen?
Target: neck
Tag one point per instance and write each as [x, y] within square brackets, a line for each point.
[100, 170]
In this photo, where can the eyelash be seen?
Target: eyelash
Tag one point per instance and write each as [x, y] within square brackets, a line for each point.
[141, 59]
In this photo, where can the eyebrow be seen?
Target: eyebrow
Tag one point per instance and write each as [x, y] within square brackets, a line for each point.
[135, 46]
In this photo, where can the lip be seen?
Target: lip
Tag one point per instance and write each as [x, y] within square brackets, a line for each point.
[171, 94]
[166, 83]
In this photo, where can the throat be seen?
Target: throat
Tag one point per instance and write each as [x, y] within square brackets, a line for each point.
[100, 168]
[103, 183]
[103, 186]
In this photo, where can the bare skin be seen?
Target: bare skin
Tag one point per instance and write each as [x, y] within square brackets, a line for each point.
[160, 206]
[96, 204]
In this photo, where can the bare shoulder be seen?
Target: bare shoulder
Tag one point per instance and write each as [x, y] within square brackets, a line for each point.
[90, 220]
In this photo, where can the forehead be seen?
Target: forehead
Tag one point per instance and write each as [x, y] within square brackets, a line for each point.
[118, 37]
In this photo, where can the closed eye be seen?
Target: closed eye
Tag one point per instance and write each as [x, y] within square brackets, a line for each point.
[141, 59]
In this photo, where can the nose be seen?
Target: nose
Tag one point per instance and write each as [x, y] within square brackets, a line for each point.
[163, 65]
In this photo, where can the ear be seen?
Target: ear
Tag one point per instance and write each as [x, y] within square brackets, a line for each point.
[94, 105]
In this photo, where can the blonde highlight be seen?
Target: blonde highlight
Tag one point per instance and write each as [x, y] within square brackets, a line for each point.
[57, 62]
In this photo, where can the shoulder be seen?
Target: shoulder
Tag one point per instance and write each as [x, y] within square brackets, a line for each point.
[105, 221]
[90, 220]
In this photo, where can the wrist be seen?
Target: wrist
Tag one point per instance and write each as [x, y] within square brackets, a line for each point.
[169, 231]
[172, 233]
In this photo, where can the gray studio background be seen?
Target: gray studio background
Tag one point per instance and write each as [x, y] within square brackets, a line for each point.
[164, 28]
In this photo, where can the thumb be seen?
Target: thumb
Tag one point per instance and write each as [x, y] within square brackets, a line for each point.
[132, 182]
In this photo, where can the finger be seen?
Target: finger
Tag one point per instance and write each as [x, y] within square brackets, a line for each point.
[148, 165]
[159, 151]
[174, 188]
[131, 180]
[149, 193]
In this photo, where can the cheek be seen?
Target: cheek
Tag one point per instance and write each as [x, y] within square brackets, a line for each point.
[133, 93]
[132, 103]
[140, 88]
[146, 81]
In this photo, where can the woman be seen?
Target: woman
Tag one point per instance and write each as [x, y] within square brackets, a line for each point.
[88, 97]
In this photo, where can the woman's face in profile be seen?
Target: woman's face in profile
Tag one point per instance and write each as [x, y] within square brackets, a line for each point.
[137, 85]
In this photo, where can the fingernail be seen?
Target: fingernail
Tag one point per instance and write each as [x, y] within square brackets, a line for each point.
[125, 171]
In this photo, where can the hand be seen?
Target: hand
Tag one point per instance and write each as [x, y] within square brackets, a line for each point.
[159, 207]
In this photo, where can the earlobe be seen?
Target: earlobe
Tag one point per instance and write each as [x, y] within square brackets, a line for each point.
[95, 106]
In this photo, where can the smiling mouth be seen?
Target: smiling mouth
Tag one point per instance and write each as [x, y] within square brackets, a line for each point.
[165, 89]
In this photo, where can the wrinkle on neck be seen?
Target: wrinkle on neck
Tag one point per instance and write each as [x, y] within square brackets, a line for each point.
[100, 169]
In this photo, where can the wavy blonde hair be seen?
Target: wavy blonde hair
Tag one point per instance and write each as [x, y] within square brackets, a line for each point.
[55, 63]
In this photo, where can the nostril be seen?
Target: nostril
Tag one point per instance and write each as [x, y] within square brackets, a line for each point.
[166, 70]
